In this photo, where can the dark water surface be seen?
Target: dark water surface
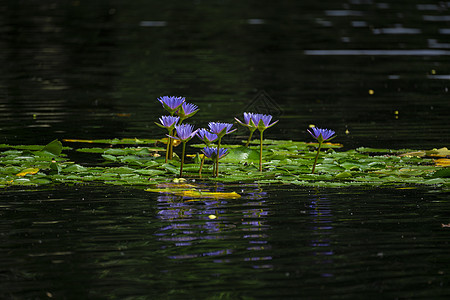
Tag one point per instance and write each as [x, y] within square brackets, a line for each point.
[377, 72]
[273, 243]
[94, 69]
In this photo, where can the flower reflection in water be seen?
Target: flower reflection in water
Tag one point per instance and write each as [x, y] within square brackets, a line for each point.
[322, 227]
[236, 230]
[255, 224]
[182, 229]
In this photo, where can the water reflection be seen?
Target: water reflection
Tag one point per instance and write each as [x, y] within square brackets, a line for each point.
[216, 228]
[255, 219]
[153, 23]
[418, 52]
[57, 70]
[286, 244]
[322, 226]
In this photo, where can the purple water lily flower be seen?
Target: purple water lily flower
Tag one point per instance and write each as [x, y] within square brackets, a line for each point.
[220, 128]
[185, 132]
[262, 122]
[211, 152]
[248, 122]
[168, 122]
[187, 110]
[171, 103]
[322, 134]
[206, 136]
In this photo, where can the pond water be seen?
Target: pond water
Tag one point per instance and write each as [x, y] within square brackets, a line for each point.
[377, 72]
[272, 243]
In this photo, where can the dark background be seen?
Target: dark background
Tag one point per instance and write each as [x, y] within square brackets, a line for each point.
[94, 69]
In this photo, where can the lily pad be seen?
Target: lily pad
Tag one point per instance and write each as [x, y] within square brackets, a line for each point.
[54, 147]
[284, 162]
[241, 155]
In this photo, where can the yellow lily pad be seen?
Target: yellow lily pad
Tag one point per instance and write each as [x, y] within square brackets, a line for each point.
[414, 153]
[215, 195]
[27, 171]
[174, 142]
[441, 152]
[442, 162]
[78, 141]
[332, 145]
[188, 190]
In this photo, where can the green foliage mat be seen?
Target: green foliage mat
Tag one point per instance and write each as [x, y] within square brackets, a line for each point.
[141, 162]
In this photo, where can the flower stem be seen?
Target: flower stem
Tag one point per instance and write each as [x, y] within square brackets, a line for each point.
[167, 149]
[170, 148]
[317, 156]
[182, 159]
[249, 139]
[169, 141]
[217, 158]
[260, 150]
[201, 167]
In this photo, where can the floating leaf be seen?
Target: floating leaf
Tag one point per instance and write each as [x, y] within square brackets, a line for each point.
[174, 142]
[30, 171]
[441, 152]
[191, 193]
[241, 155]
[92, 150]
[125, 141]
[54, 147]
[285, 162]
[343, 175]
[149, 172]
[435, 181]
[41, 181]
[22, 147]
[327, 145]
[109, 157]
[215, 195]
[55, 167]
[442, 173]
[171, 168]
[120, 170]
[414, 153]
[442, 162]
[75, 168]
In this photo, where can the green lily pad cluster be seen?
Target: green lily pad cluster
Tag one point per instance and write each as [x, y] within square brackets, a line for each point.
[141, 163]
